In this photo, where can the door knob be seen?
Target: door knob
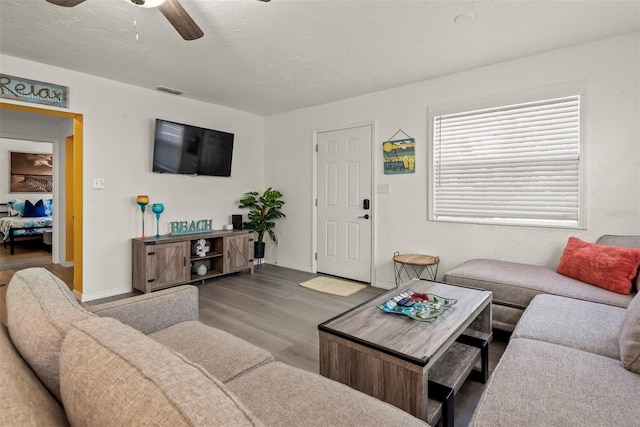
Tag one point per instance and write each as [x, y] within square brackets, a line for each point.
[366, 216]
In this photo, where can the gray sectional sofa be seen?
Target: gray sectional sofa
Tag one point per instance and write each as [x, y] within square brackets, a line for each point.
[568, 363]
[573, 358]
[514, 285]
[147, 360]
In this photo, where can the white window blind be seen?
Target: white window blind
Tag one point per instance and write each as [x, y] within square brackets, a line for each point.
[515, 164]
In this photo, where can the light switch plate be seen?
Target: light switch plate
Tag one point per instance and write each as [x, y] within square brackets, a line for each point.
[382, 188]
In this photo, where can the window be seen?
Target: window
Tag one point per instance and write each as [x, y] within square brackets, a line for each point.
[515, 164]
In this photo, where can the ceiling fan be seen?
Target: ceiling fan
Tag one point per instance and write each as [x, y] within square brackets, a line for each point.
[171, 9]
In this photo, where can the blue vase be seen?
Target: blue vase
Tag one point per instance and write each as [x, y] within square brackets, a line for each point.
[157, 208]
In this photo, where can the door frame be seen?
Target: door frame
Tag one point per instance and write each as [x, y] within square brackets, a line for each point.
[69, 193]
[77, 181]
[314, 185]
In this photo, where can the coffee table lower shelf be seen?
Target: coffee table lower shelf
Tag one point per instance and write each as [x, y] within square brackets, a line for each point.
[445, 378]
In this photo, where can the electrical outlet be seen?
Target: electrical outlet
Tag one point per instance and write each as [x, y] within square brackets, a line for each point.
[98, 183]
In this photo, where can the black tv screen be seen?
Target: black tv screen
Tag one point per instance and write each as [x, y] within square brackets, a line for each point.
[191, 150]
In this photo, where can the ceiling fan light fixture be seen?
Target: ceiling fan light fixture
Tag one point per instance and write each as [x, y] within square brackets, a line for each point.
[146, 3]
[177, 16]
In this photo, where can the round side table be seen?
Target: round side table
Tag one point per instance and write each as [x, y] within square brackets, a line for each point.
[418, 264]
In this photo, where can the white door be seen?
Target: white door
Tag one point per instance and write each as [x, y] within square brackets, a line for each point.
[344, 187]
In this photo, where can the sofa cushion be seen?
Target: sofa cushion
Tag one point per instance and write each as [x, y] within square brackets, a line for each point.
[24, 401]
[222, 354]
[579, 324]
[40, 311]
[282, 395]
[610, 267]
[111, 374]
[538, 383]
[504, 317]
[629, 337]
[516, 284]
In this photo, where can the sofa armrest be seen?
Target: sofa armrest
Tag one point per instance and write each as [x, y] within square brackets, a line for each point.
[621, 241]
[154, 311]
[24, 400]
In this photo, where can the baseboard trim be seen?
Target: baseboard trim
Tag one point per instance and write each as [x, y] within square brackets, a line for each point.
[90, 296]
[304, 268]
[384, 285]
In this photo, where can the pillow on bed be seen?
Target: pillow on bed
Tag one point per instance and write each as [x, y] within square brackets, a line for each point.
[48, 207]
[33, 211]
[15, 207]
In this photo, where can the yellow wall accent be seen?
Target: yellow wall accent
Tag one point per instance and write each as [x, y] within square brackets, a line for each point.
[77, 182]
[68, 189]
[77, 202]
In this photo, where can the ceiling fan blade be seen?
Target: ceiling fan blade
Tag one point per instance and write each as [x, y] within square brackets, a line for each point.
[66, 3]
[180, 19]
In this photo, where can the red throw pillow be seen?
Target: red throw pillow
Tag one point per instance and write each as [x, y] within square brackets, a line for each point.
[609, 267]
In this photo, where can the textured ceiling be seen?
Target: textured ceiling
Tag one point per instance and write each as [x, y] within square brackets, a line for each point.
[267, 58]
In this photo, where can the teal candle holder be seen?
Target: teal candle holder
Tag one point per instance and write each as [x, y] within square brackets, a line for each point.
[157, 208]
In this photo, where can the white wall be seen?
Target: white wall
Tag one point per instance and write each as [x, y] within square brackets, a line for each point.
[7, 146]
[118, 146]
[610, 70]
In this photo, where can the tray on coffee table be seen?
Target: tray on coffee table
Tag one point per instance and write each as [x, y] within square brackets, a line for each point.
[423, 307]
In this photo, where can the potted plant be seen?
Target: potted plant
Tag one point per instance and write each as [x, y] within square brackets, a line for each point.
[263, 210]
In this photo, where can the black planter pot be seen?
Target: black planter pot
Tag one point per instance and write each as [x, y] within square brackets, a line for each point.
[258, 250]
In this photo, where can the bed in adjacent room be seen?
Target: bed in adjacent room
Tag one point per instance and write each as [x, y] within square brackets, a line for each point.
[25, 220]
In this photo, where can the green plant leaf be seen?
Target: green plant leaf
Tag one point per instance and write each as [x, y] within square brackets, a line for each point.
[264, 208]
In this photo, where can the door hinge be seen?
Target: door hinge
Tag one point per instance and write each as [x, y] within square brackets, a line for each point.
[316, 148]
[151, 253]
[316, 256]
[151, 280]
[316, 202]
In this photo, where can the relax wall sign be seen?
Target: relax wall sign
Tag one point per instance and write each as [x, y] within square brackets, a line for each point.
[33, 91]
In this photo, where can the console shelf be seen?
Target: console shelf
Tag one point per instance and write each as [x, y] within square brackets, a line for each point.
[160, 262]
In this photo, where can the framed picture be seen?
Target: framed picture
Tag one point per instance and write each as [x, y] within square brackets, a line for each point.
[399, 156]
[31, 173]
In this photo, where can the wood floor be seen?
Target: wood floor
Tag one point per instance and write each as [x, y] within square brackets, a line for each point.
[270, 310]
[28, 253]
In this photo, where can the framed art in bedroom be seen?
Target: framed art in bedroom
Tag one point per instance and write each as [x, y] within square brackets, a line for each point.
[31, 173]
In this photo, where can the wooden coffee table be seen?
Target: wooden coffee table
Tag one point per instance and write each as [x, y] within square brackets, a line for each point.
[416, 366]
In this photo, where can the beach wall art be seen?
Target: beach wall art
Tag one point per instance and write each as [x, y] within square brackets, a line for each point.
[31, 173]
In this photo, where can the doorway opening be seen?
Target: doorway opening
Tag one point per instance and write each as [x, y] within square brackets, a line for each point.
[75, 213]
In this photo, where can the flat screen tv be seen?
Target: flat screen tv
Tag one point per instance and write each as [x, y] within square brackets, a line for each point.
[191, 150]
